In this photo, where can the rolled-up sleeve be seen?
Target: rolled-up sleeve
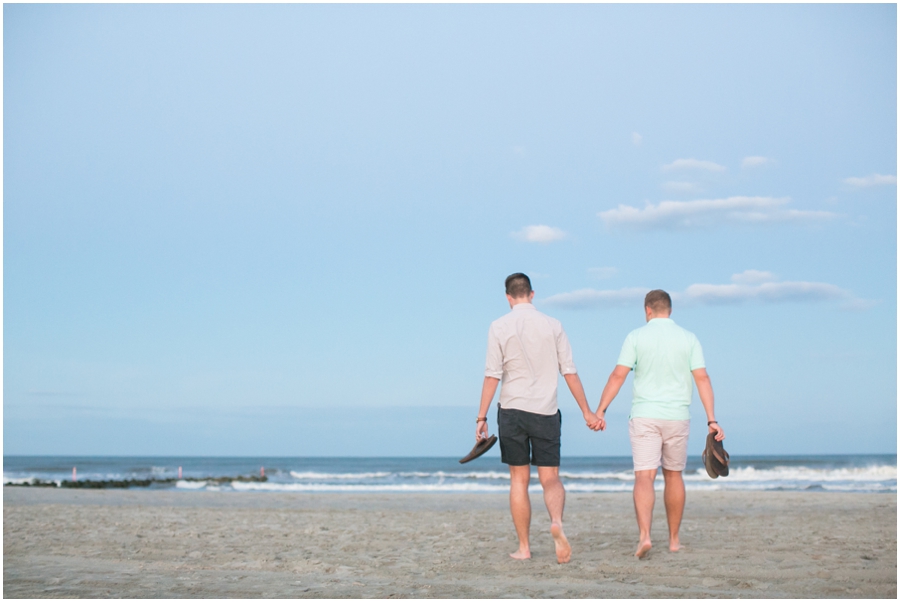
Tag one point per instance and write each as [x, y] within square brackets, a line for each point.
[493, 364]
[697, 360]
[628, 355]
[564, 354]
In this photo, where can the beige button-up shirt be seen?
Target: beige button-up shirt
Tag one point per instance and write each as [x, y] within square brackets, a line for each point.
[527, 350]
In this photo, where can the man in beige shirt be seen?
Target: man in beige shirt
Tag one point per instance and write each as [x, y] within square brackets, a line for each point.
[527, 350]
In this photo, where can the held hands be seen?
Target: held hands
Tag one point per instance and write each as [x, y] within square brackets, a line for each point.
[593, 421]
[715, 428]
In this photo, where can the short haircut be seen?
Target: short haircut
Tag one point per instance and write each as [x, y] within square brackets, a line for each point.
[659, 301]
[518, 285]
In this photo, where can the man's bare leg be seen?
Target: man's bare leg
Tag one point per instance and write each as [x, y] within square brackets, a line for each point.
[520, 507]
[555, 499]
[674, 497]
[644, 498]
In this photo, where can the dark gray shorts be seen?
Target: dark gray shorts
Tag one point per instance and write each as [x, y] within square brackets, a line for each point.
[528, 438]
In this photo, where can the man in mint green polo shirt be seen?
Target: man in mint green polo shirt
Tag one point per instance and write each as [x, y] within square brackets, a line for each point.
[665, 358]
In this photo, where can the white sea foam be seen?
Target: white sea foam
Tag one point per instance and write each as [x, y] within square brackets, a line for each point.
[339, 475]
[803, 473]
[710, 485]
[190, 484]
[787, 474]
[381, 488]
[487, 474]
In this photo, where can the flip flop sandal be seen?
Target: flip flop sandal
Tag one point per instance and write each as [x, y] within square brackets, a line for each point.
[715, 458]
[482, 446]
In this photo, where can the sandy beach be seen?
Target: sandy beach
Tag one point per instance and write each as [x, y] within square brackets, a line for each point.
[146, 544]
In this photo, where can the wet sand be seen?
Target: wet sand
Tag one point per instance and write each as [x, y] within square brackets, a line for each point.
[174, 544]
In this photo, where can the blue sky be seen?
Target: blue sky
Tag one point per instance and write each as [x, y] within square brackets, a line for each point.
[284, 229]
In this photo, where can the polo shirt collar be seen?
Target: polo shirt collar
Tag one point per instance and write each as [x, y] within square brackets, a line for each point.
[519, 306]
[661, 321]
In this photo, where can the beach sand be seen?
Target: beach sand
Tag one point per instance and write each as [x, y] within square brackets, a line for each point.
[172, 544]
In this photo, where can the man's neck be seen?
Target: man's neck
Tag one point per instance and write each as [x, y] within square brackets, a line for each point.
[654, 316]
[513, 301]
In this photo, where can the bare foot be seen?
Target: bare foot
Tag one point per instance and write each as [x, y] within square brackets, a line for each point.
[563, 549]
[675, 545]
[643, 547]
[521, 554]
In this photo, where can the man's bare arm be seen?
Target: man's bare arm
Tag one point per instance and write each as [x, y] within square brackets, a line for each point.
[704, 390]
[577, 389]
[613, 385]
[487, 395]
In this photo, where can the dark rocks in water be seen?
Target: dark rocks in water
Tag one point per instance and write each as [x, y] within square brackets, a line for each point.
[126, 483]
[33, 483]
[111, 484]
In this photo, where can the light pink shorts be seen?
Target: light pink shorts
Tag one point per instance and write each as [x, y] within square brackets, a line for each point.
[655, 442]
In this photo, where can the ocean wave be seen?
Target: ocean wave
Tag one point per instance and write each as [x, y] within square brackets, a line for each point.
[191, 484]
[535, 488]
[372, 488]
[440, 474]
[415, 487]
[803, 473]
[747, 473]
[863, 474]
[339, 475]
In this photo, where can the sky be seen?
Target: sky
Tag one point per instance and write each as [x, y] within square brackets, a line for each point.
[284, 229]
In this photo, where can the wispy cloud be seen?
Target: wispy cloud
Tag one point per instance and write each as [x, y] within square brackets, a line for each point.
[636, 138]
[680, 187]
[693, 164]
[603, 273]
[755, 161]
[749, 286]
[589, 298]
[764, 291]
[872, 180]
[540, 233]
[709, 212]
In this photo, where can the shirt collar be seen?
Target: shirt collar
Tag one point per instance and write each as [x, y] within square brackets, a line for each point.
[661, 321]
[522, 306]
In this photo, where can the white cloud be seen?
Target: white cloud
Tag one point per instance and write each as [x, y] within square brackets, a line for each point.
[589, 298]
[765, 291]
[680, 187]
[707, 212]
[755, 161]
[602, 273]
[693, 164]
[543, 234]
[753, 277]
[749, 286]
[636, 138]
[872, 180]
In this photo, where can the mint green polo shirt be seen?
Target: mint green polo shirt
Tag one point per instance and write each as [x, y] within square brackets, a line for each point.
[662, 354]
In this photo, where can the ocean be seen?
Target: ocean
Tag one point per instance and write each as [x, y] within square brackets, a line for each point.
[845, 473]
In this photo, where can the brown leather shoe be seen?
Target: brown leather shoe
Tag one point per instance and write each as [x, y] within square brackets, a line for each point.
[480, 447]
